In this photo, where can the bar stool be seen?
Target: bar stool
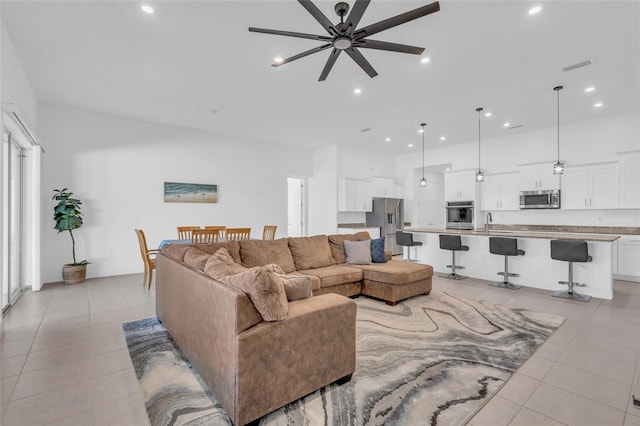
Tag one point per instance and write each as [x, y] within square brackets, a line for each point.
[570, 251]
[453, 243]
[505, 247]
[406, 239]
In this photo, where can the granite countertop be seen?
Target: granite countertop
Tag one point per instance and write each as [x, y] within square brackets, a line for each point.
[583, 236]
[354, 225]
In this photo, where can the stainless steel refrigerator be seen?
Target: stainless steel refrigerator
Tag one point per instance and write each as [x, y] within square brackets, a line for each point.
[388, 215]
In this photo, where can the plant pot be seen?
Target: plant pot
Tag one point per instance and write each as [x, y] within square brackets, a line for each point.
[74, 274]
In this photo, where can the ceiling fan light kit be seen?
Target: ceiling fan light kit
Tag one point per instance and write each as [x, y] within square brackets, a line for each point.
[346, 37]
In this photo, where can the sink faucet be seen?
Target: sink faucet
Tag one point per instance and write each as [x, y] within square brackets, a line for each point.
[487, 221]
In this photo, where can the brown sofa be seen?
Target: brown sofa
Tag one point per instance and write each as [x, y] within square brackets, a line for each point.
[255, 366]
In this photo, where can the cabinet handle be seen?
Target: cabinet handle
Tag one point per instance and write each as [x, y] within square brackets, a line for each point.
[585, 202]
[590, 201]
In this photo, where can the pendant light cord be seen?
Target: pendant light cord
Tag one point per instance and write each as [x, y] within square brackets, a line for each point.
[479, 111]
[423, 124]
[558, 89]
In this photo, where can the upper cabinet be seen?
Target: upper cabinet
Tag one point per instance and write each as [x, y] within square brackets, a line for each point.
[460, 186]
[630, 180]
[592, 186]
[538, 176]
[383, 187]
[354, 195]
[500, 192]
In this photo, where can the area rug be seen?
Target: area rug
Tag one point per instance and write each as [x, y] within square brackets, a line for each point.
[430, 360]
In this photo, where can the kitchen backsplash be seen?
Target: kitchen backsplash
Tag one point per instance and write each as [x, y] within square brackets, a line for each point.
[615, 217]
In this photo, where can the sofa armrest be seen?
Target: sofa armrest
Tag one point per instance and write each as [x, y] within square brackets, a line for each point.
[388, 255]
[279, 362]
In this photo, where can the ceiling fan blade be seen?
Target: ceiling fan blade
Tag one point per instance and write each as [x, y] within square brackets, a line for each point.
[355, 15]
[302, 55]
[355, 54]
[290, 34]
[392, 47]
[397, 20]
[327, 67]
[320, 17]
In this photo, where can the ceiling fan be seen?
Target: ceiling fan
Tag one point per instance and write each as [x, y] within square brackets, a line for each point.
[344, 36]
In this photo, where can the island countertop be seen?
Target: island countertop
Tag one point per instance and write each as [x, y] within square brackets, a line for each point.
[550, 235]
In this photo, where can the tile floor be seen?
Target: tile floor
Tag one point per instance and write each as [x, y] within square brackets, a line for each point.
[64, 358]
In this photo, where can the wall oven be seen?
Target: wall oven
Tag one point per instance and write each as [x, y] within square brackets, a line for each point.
[545, 199]
[459, 214]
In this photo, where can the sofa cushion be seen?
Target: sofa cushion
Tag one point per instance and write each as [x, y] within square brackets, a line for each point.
[336, 242]
[315, 281]
[358, 252]
[335, 274]
[175, 251]
[221, 264]
[311, 252]
[231, 246]
[260, 253]
[395, 272]
[295, 286]
[196, 258]
[265, 290]
[377, 251]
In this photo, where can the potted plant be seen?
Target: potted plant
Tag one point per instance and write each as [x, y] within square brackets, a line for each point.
[68, 217]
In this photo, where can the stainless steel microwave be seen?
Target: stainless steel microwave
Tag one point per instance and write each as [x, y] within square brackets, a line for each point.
[544, 199]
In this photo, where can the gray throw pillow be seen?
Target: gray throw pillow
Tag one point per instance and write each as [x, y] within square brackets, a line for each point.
[358, 252]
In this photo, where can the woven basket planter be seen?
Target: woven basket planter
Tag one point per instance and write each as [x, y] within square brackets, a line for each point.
[74, 274]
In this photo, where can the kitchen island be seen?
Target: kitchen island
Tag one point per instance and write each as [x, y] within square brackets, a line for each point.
[536, 268]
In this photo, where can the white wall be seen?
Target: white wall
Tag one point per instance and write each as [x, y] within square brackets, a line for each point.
[594, 141]
[117, 167]
[14, 80]
[323, 189]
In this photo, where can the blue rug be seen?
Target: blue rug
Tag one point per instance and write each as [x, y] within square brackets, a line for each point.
[430, 360]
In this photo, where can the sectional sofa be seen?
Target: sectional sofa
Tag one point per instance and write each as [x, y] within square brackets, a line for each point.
[255, 364]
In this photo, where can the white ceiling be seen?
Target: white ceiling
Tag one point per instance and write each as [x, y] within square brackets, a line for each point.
[194, 57]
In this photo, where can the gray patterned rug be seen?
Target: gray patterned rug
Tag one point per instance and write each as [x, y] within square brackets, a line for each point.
[430, 360]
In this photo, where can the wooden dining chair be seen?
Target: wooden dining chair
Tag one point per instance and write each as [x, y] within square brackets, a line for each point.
[269, 232]
[238, 234]
[149, 261]
[222, 230]
[184, 232]
[204, 236]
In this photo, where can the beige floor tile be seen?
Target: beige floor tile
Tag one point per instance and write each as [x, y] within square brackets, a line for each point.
[572, 409]
[111, 343]
[598, 388]
[10, 323]
[58, 315]
[497, 412]
[536, 367]
[106, 329]
[115, 386]
[7, 385]
[583, 359]
[56, 340]
[17, 347]
[628, 303]
[64, 325]
[519, 388]
[123, 315]
[526, 417]
[109, 307]
[124, 412]
[20, 333]
[603, 349]
[58, 376]
[49, 407]
[12, 366]
[111, 362]
[54, 357]
[632, 420]
[81, 419]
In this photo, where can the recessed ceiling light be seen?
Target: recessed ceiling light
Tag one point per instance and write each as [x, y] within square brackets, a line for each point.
[147, 9]
[410, 145]
[534, 10]
[425, 60]
[589, 89]
[442, 138]
[357, 91]
[507, 124]
[278, 60]
[387, 140]
[488, 114]
[420, 131]
[447, 169]
[597, 104]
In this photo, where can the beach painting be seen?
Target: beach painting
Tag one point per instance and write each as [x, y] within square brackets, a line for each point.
[175, 192]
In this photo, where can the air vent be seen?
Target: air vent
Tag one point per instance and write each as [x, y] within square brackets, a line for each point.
[368, 129]
[515, 126]
[576, 66]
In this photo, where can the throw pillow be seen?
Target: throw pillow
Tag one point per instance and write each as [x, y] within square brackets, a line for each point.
[296, 287]
[196, 258]
[221, 264]
[311, 252]
[358, 252]
[265, 290]
[260, 253]
[377, 251]
[175, 251]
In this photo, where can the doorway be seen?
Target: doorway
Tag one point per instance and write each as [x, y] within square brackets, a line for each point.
[12, 205]
[297, 207]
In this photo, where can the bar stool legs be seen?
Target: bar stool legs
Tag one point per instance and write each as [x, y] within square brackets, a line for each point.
[453, 275]
[570, 251]
[505, 283]
[569, 293]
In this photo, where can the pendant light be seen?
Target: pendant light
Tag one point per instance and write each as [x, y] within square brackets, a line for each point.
[479, 174]
[423, 181]
[558, 167]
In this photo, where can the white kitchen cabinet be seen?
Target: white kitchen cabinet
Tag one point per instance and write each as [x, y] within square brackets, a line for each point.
[592, 186]
[629, 257]
[398, 191]
[354, 195]
[500, 192]
[536, 177]
[383, 187]
[630, 180]
[460, 186]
